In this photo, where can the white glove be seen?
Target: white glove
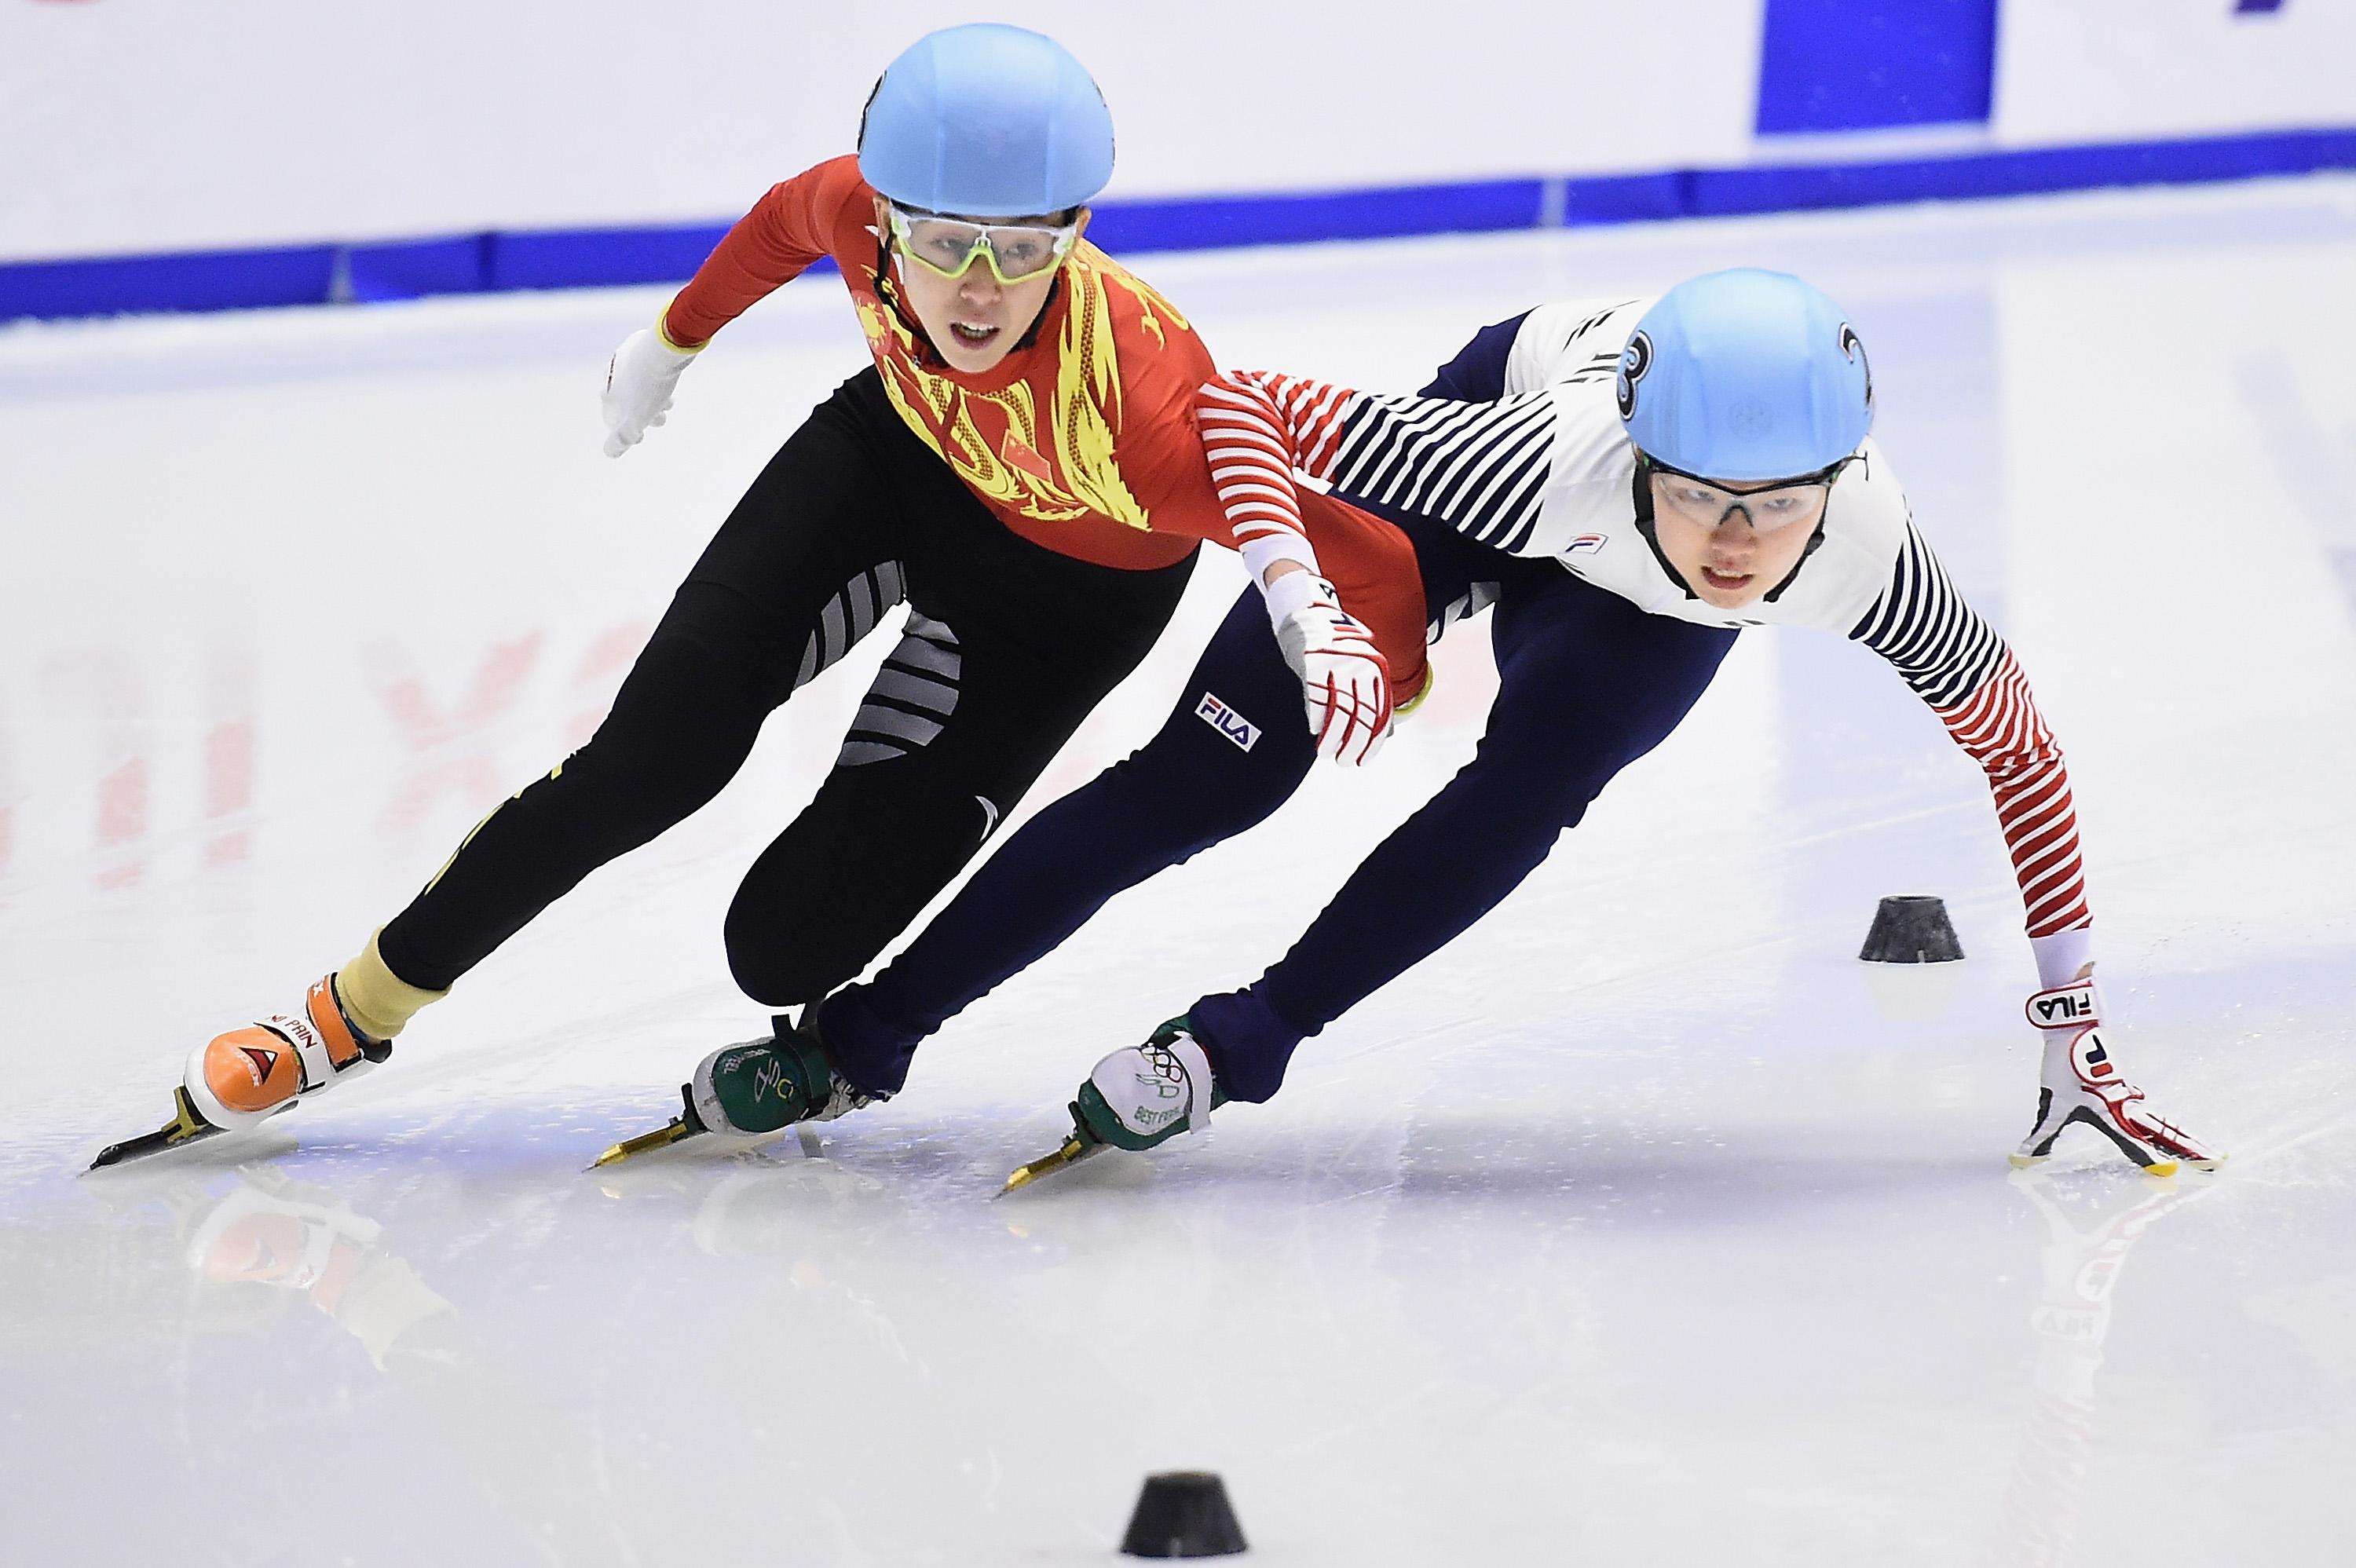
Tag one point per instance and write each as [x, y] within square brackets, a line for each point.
[2081, 1083]
[639, 381]
[1345, 682]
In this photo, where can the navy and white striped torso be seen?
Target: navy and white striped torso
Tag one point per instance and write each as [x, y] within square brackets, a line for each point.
[1547, 470]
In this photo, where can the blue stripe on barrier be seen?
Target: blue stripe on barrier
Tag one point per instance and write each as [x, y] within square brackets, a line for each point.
[1623, 198]
[578, 258]
[406, 269]
[228, 280]
[2018, 171]
[203, 280]
[1200, 223]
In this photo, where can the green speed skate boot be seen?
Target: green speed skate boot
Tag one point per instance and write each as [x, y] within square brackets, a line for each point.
[753, 1089]
[1138, 1098]
[765, 1086]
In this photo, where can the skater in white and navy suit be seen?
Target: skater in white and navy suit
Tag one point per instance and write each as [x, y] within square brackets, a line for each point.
[1630, 484]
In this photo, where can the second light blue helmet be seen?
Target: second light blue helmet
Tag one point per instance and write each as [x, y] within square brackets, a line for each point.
[1745, 374]
[986, 121]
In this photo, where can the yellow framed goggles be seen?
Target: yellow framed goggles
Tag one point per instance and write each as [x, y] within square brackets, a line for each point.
[1014, 252]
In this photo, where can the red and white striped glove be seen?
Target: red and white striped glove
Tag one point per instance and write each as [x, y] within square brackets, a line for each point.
[2081, 1083]
[1345, 682]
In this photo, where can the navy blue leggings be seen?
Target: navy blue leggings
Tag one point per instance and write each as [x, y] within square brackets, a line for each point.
[1587, 683]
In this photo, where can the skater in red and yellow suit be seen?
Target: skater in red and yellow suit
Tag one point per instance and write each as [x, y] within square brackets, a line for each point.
[1021, 466]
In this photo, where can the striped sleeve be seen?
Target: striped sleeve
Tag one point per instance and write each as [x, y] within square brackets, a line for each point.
[1482, 468]
[1956, 662]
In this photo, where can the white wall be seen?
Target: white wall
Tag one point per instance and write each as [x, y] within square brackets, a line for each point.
[2101, 70]
[145, 126]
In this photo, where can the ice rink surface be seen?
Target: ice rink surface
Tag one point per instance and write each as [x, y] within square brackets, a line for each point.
[1642, 1225]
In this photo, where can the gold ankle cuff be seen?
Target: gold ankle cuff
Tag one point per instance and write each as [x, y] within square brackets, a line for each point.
[379, 1002]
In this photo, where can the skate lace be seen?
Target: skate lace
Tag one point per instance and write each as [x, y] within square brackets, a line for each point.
[842, 1098]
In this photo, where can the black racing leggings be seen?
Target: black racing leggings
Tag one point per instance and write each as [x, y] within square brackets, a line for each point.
[1008, 647]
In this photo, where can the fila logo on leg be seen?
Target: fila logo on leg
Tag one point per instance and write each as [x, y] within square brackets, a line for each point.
[2068, 1006]
[1237, 728]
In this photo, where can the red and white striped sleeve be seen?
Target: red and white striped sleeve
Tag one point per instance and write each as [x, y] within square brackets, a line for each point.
[1257, 430]
[1958, 665]
[1482, 468]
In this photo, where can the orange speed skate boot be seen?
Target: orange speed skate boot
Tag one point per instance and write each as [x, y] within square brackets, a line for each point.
[238, 1079]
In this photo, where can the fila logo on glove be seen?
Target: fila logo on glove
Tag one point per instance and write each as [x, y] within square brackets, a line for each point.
[1227, 722]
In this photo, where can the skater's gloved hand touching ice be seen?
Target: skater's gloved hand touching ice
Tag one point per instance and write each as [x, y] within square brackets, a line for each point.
[1345, 680]
[2082, 1082]
[640, 381]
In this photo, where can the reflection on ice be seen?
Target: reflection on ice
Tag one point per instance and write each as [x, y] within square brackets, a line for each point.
[270, 1229]
[2090, 1225]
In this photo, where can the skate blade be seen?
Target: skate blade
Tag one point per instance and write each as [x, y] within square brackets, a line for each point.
[663, 1137]
[2160, 1169]
[185, 1127]
[1076, 1149]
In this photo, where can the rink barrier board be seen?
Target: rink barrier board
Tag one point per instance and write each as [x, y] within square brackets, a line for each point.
[499, 261]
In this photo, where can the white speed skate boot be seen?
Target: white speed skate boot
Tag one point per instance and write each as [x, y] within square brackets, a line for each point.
[251, 1074]
[1138, 1098]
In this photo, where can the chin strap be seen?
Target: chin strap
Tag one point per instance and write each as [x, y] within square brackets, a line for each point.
[1814, 541]
[1640, 496]
[1818, 537]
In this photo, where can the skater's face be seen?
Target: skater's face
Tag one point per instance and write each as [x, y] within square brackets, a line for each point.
[1732, 542]
[976, 318]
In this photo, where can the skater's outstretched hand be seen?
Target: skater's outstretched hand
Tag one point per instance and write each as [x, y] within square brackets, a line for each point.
[1345, 682]
[2082, 1083]
[639, 382]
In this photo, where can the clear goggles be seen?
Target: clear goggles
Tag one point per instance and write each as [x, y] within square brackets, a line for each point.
[1696, 500]
[1013, 251]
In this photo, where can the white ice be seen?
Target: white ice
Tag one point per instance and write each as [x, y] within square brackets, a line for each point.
[1642, 1225]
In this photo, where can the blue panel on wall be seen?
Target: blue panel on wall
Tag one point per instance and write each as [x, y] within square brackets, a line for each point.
[1856, 65]
[213, 279]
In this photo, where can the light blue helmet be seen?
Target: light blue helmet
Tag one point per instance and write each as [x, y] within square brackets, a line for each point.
[987, 121]
[1745, 374]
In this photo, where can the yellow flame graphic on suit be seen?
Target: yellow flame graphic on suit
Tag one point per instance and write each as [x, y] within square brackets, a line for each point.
[1080, 434]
